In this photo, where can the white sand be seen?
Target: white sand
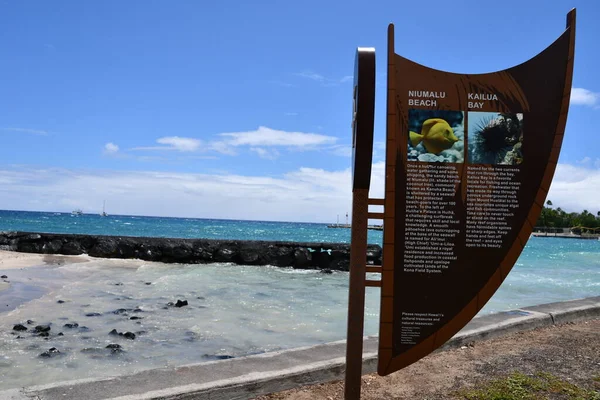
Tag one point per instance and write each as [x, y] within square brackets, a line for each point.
[13, 260]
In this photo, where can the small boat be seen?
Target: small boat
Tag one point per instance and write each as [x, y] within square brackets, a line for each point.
[77, 212]
[104, 214]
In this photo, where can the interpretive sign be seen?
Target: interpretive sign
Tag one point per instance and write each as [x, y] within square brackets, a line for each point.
[470, 159]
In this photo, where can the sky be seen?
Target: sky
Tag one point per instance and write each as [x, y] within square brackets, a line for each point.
[243, 109]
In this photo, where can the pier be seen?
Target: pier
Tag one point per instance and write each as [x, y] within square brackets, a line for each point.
[348, 226]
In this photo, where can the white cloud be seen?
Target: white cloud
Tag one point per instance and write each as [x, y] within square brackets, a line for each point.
[111, 148]
[575, 188]
[25, 130]
[585, 161]
[307, 194]
[256, 141]
[176, 143]
[264, 136]
[584, 97]
[342, 150]
[313, 76]
[267, 154]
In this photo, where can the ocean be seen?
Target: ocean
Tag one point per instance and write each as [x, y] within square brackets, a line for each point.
[232, 310]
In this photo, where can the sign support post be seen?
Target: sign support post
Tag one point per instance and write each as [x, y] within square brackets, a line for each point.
[362, 154]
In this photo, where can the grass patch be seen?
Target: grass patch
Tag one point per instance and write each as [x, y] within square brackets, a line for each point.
[518, 386]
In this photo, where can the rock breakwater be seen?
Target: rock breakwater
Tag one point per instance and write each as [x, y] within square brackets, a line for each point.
[323, 256]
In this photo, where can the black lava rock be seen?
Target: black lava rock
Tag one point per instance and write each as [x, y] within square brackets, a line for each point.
[42, 328]
[60, 301]
[4, 277]
[115, 348]
[129, 335]
[333, 256]
[136, 317]
[19, 327]
[50, 353]
[93, 314]
[71, 326]
[181, 303]
[326, 271]
[30, 322]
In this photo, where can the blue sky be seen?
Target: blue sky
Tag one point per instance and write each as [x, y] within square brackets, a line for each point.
[243, 109]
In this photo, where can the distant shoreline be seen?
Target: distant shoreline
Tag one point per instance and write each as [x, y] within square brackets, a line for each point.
[566, 235]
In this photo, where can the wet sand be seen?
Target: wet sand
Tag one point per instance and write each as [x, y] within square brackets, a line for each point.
[14, 260]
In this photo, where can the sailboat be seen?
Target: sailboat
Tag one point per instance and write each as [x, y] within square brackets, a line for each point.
[104, 214]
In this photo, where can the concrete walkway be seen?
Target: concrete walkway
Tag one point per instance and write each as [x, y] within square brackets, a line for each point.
[247, 377]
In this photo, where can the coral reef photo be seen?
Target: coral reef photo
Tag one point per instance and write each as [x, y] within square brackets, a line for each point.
[495, 138]
[436, 136]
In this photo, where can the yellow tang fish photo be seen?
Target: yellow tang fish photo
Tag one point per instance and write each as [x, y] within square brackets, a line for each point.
[436, 134]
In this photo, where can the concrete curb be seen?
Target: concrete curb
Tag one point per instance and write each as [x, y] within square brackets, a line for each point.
[248, 377]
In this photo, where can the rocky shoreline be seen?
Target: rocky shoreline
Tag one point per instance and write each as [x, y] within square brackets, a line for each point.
[323, 256]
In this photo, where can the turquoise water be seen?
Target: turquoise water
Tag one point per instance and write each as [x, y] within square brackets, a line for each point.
[233, 310]
[175, 227]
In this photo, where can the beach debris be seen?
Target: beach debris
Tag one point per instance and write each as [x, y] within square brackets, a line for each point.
[71, 326]
[19, 327]
[52, 352]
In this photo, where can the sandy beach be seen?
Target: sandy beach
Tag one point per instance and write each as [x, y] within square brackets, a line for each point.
[14, 260]
[11, 260]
